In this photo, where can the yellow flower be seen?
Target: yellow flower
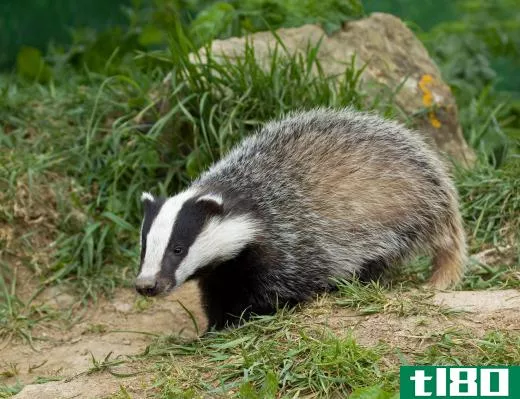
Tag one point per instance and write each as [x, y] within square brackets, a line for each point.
[424, 84]
[433, 120]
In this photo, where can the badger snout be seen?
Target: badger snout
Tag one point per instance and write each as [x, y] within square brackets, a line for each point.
[147, 286]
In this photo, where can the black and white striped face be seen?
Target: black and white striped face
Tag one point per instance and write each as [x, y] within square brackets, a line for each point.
[183, 234]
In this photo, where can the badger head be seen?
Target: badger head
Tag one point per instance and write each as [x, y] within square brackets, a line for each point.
[182, 235]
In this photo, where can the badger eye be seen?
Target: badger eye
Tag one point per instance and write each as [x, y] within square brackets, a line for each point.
[178, 250]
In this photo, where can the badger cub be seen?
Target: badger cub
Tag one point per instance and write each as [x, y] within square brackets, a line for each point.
[318, 195]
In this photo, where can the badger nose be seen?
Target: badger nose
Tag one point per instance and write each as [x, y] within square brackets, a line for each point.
[146, 286]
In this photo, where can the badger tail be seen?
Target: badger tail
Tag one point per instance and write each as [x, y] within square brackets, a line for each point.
[449, 253]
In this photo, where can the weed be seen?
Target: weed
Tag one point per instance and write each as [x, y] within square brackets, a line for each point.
[491, 204]
[502, 271]
[6, 391]
[122, 394]
[96, 329]
[9, 370]
[143, 303]
[17, 317]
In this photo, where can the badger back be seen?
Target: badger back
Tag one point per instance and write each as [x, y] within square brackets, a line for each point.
[340, 181]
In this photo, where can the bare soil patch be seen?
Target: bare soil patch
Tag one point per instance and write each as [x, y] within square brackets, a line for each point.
[119, 327]
[113, 326]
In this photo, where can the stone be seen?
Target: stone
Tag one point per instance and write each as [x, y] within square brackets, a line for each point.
[58, 298]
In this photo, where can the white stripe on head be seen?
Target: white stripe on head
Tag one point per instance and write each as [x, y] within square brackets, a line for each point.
[212, 197]
[160, 232]
[221, 239]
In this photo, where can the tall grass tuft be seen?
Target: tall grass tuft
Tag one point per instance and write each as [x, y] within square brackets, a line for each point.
[115, 143]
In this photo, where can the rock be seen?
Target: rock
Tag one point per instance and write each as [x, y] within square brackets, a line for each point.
[123, 307]
[58, 297]
[499, 255]
[480, 301]
[395, 59]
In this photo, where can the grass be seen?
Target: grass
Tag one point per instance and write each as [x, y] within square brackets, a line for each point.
[18, 317]
[398, 300]
[491, 205]
[500, 271]
[297, 354]
[460, 348]
[270, 357]
[366, 299]
[100, 159]
[95, 158]
[78, 151]
[8, 391]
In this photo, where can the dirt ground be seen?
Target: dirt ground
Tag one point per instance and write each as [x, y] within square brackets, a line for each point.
[122, 326]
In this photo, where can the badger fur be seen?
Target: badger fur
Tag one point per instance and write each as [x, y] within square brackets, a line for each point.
[315, 196]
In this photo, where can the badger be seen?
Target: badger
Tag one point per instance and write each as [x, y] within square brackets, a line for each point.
[309, 199]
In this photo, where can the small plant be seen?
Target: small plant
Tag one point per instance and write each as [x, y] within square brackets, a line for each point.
[17, 317]
[365, 298]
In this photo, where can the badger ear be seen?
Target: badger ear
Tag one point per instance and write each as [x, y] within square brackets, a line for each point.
[213, 203]
[148, 200]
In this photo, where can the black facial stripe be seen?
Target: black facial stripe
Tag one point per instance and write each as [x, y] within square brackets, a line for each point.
[190, 222]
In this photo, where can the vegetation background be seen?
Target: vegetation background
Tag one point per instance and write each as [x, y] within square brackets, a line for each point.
[81, 136]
